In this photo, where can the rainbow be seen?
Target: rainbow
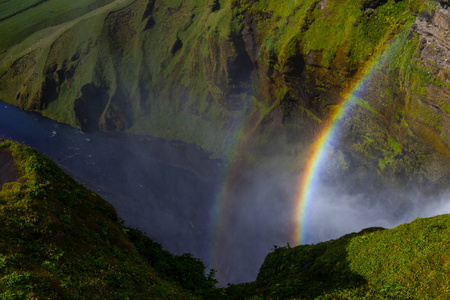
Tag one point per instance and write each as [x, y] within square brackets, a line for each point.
[309, 177]
[222, 213]
[223, 204]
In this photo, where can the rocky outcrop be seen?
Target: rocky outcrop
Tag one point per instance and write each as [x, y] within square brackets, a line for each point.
[433, 52]
[90, 106]
[406, 127]
[434, 44]
[201, 72]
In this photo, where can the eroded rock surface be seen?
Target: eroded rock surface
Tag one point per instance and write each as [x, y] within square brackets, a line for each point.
[201, 73]
[435, 43]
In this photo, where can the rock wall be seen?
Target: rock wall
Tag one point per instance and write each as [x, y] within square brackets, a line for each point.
[204, 71]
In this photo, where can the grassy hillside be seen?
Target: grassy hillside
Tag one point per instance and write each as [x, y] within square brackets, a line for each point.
[411, 261]
[59, 240]
[20, 19]
[265, 72]
[210, 72]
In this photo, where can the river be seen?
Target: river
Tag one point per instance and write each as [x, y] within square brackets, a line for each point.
[171, 190]
[164, 188]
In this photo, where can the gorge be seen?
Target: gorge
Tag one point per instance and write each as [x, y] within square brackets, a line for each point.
[223, 128]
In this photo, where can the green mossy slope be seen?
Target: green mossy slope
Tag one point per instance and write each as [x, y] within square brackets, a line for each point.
[266, 73]
[59, 240]
[20, 19]
[411, 261]
[149, 67]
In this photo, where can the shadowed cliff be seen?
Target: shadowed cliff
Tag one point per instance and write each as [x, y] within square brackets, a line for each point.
[201, 71]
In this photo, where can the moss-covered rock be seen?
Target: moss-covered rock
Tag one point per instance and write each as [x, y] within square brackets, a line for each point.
[201, 71]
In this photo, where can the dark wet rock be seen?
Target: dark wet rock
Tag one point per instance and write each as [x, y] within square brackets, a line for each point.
[294, 66]
[149, 9]
[89, 107]
[75, 57]
[176, 46]
[150, 23]
[373, 4]
[214, 5]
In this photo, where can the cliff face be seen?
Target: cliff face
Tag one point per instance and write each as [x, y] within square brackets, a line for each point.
[405, 131]
[166, 68]
[201, 71]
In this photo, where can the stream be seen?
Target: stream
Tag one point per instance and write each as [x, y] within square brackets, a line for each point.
[163, 188]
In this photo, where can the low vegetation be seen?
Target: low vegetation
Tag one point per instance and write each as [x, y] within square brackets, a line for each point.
[20, 19]
[210, 73]
[62, 241]
[411, 261]
[216, 73]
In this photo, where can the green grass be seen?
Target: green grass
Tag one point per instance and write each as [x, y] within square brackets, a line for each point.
[410, 261]
[60, 240]
[187, 95]
[400, 133]
[340, 24]
[11, 8]
[49, 13]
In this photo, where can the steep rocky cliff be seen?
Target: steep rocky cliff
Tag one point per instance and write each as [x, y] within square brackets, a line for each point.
[405, 131]
[205, 71]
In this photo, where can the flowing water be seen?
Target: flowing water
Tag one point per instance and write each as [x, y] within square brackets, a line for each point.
[167, 189]
[172, 191]
[163, 188]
